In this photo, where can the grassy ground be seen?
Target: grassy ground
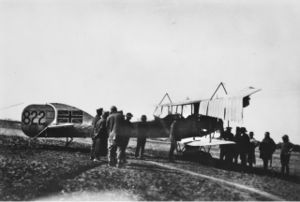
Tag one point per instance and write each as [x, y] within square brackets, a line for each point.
[161, 149]
[45, 170]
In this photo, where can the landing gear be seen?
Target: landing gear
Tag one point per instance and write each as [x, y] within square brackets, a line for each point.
[68, 141]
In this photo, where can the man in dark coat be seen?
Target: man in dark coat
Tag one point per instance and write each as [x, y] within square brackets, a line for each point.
[227, 150]
[101, 137]
[244, 146]
[142, 132]
[251, 155]
[230, 147]
[174, 137]
[267, 148]
[128, 129]
[285, 154]
[94, 132]
[237, 145]
[114, 126]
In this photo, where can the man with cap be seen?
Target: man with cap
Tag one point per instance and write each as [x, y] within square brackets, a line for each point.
[267, 147]
[142, 132]
[103, 135]
[245, 144]
[237, 145]
[285, 154]
[114, 126]
[227, 149]
[174, 136]
[94, 132]
[128, 128]
[251, 155]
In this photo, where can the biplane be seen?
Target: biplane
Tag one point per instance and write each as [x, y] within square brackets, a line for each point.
[56, 120]
[204, 118]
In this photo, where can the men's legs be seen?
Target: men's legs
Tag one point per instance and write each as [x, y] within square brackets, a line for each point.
[236, 158]
[97, 148]
[282, 164]
[119, 155]
[143, 143]
[243, 159]
[229, 157]
[282, 169]
[103, 146]
[222, 154]
[112, 149]
[138, 146]
[285, 160]
[250, 163]
[120, 150]
[250, 160]
[92, 154]
[265, 160]
[171, 152]
[126, 141]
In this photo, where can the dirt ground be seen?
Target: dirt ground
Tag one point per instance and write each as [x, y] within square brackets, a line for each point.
[45, 170]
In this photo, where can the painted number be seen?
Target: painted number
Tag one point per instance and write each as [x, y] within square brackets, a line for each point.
[26, 118]
[33, 117]
[42, 115]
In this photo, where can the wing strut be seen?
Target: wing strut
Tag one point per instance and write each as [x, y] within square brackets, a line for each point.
[165, 96]
[221, 84]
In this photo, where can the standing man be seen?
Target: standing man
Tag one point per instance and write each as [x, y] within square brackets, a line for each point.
[114, 127]
[267, 148]
[285, 154]
[245, 145]
[173, 138]
[237, 145]
[128, 127]
[142, 137]
[222, 147]
[103, 134]
[227, 150]
[94, 132]
[251, 155]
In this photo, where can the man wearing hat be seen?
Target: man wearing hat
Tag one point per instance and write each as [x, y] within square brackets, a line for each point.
[251, 155]
[114, 126]
[267, 147]
[285, 154]
[227, 150]
[245, 145]
[101, 147]
[128, 127]
[94, 132]
[142, 133]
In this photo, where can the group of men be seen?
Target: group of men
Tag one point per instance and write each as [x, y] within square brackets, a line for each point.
[111, 133]
[245, 145]
[112, 130]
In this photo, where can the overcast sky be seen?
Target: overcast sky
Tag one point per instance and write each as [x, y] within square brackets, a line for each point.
[128, 53]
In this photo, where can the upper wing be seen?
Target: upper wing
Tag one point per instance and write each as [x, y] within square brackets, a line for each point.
[228, 108]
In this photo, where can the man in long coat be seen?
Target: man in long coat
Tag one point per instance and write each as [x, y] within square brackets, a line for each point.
[267, 148]
[114, 126]
[94, 132]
